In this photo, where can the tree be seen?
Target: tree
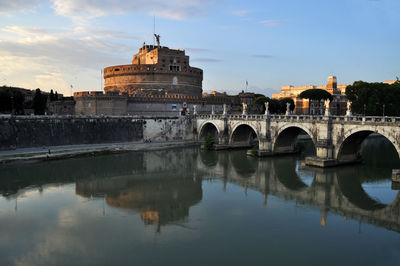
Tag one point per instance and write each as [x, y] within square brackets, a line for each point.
[11, 100]
[316, 94]
[18, 102]
[275, 106]
[5, 100]
[51, 96]
[374, 98]
[39, 102]
[209, 142]
[283, 102]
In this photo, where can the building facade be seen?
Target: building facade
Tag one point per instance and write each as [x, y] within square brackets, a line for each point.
[338, 105]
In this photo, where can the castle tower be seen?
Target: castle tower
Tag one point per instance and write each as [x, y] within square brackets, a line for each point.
[155, 70]
[332, 82]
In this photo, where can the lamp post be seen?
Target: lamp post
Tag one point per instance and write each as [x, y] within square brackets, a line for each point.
[12, 104]
[365, 107]
[383, 111]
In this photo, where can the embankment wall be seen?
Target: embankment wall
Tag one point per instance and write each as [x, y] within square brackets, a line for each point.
[39, 131]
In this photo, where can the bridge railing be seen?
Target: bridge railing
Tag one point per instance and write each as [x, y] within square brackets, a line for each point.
[305, 118]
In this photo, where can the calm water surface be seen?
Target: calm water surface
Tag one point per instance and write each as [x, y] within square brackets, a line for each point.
[189, 207]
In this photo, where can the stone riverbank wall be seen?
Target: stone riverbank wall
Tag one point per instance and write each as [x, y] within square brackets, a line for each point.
[39, 131]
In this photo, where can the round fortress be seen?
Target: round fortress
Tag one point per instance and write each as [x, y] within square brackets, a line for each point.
[155, 70]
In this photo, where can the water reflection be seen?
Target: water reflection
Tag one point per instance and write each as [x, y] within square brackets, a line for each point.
[163, 186]
[158, 199]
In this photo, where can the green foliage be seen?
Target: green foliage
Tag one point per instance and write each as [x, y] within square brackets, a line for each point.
[275, 106]
[209, 142]
[316, 94]
[39, 102]
[375, 97]
[283, 104]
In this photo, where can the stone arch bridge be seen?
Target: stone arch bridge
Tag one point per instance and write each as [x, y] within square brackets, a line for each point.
[337, 139]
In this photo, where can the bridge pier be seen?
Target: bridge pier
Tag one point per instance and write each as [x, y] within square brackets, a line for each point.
[264, 147]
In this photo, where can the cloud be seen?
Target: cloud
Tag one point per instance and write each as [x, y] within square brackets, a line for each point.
[271, 22]
[261, 56]
[206, 60]
[196, 50]
[23, 31]
[18, 5]
[241, 12]
[47, 59]
[172, 9]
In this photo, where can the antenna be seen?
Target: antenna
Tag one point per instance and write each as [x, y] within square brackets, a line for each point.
[101, 79]
[154, 30]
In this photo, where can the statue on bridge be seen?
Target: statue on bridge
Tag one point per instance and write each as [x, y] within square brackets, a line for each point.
[224, 112]
[266, 108]
[212, 110]
[287, 109]
[326, 104]
[244, 106]
[348, 111]
[194, 109]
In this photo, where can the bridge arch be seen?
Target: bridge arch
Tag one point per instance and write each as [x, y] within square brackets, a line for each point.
[287, 136]
[244, 134]
[209, 128]
[285, 171]
[348, 147]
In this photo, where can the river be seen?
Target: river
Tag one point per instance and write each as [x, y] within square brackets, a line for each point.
[192, 207]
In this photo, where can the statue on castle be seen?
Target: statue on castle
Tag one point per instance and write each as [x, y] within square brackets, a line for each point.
[244, 106]
[326, 104]
[157, 39]
[266, 104]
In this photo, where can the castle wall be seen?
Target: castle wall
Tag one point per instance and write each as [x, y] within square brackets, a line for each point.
[150, 78]
[170, 109]
[101, 105]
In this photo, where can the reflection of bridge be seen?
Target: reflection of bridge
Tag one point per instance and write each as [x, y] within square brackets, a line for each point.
[163, 185]
[338, 191]
[337, 138]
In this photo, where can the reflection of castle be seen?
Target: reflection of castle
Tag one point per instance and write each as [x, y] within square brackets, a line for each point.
[159, 201]
[305, 106]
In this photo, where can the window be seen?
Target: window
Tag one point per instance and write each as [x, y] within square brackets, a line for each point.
[174, 68]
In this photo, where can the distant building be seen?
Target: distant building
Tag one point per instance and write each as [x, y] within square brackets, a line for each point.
[306, 106]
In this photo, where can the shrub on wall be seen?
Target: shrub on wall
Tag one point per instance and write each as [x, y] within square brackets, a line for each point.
[209, 142]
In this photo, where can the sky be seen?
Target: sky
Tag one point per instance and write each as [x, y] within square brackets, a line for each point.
[57, 44]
